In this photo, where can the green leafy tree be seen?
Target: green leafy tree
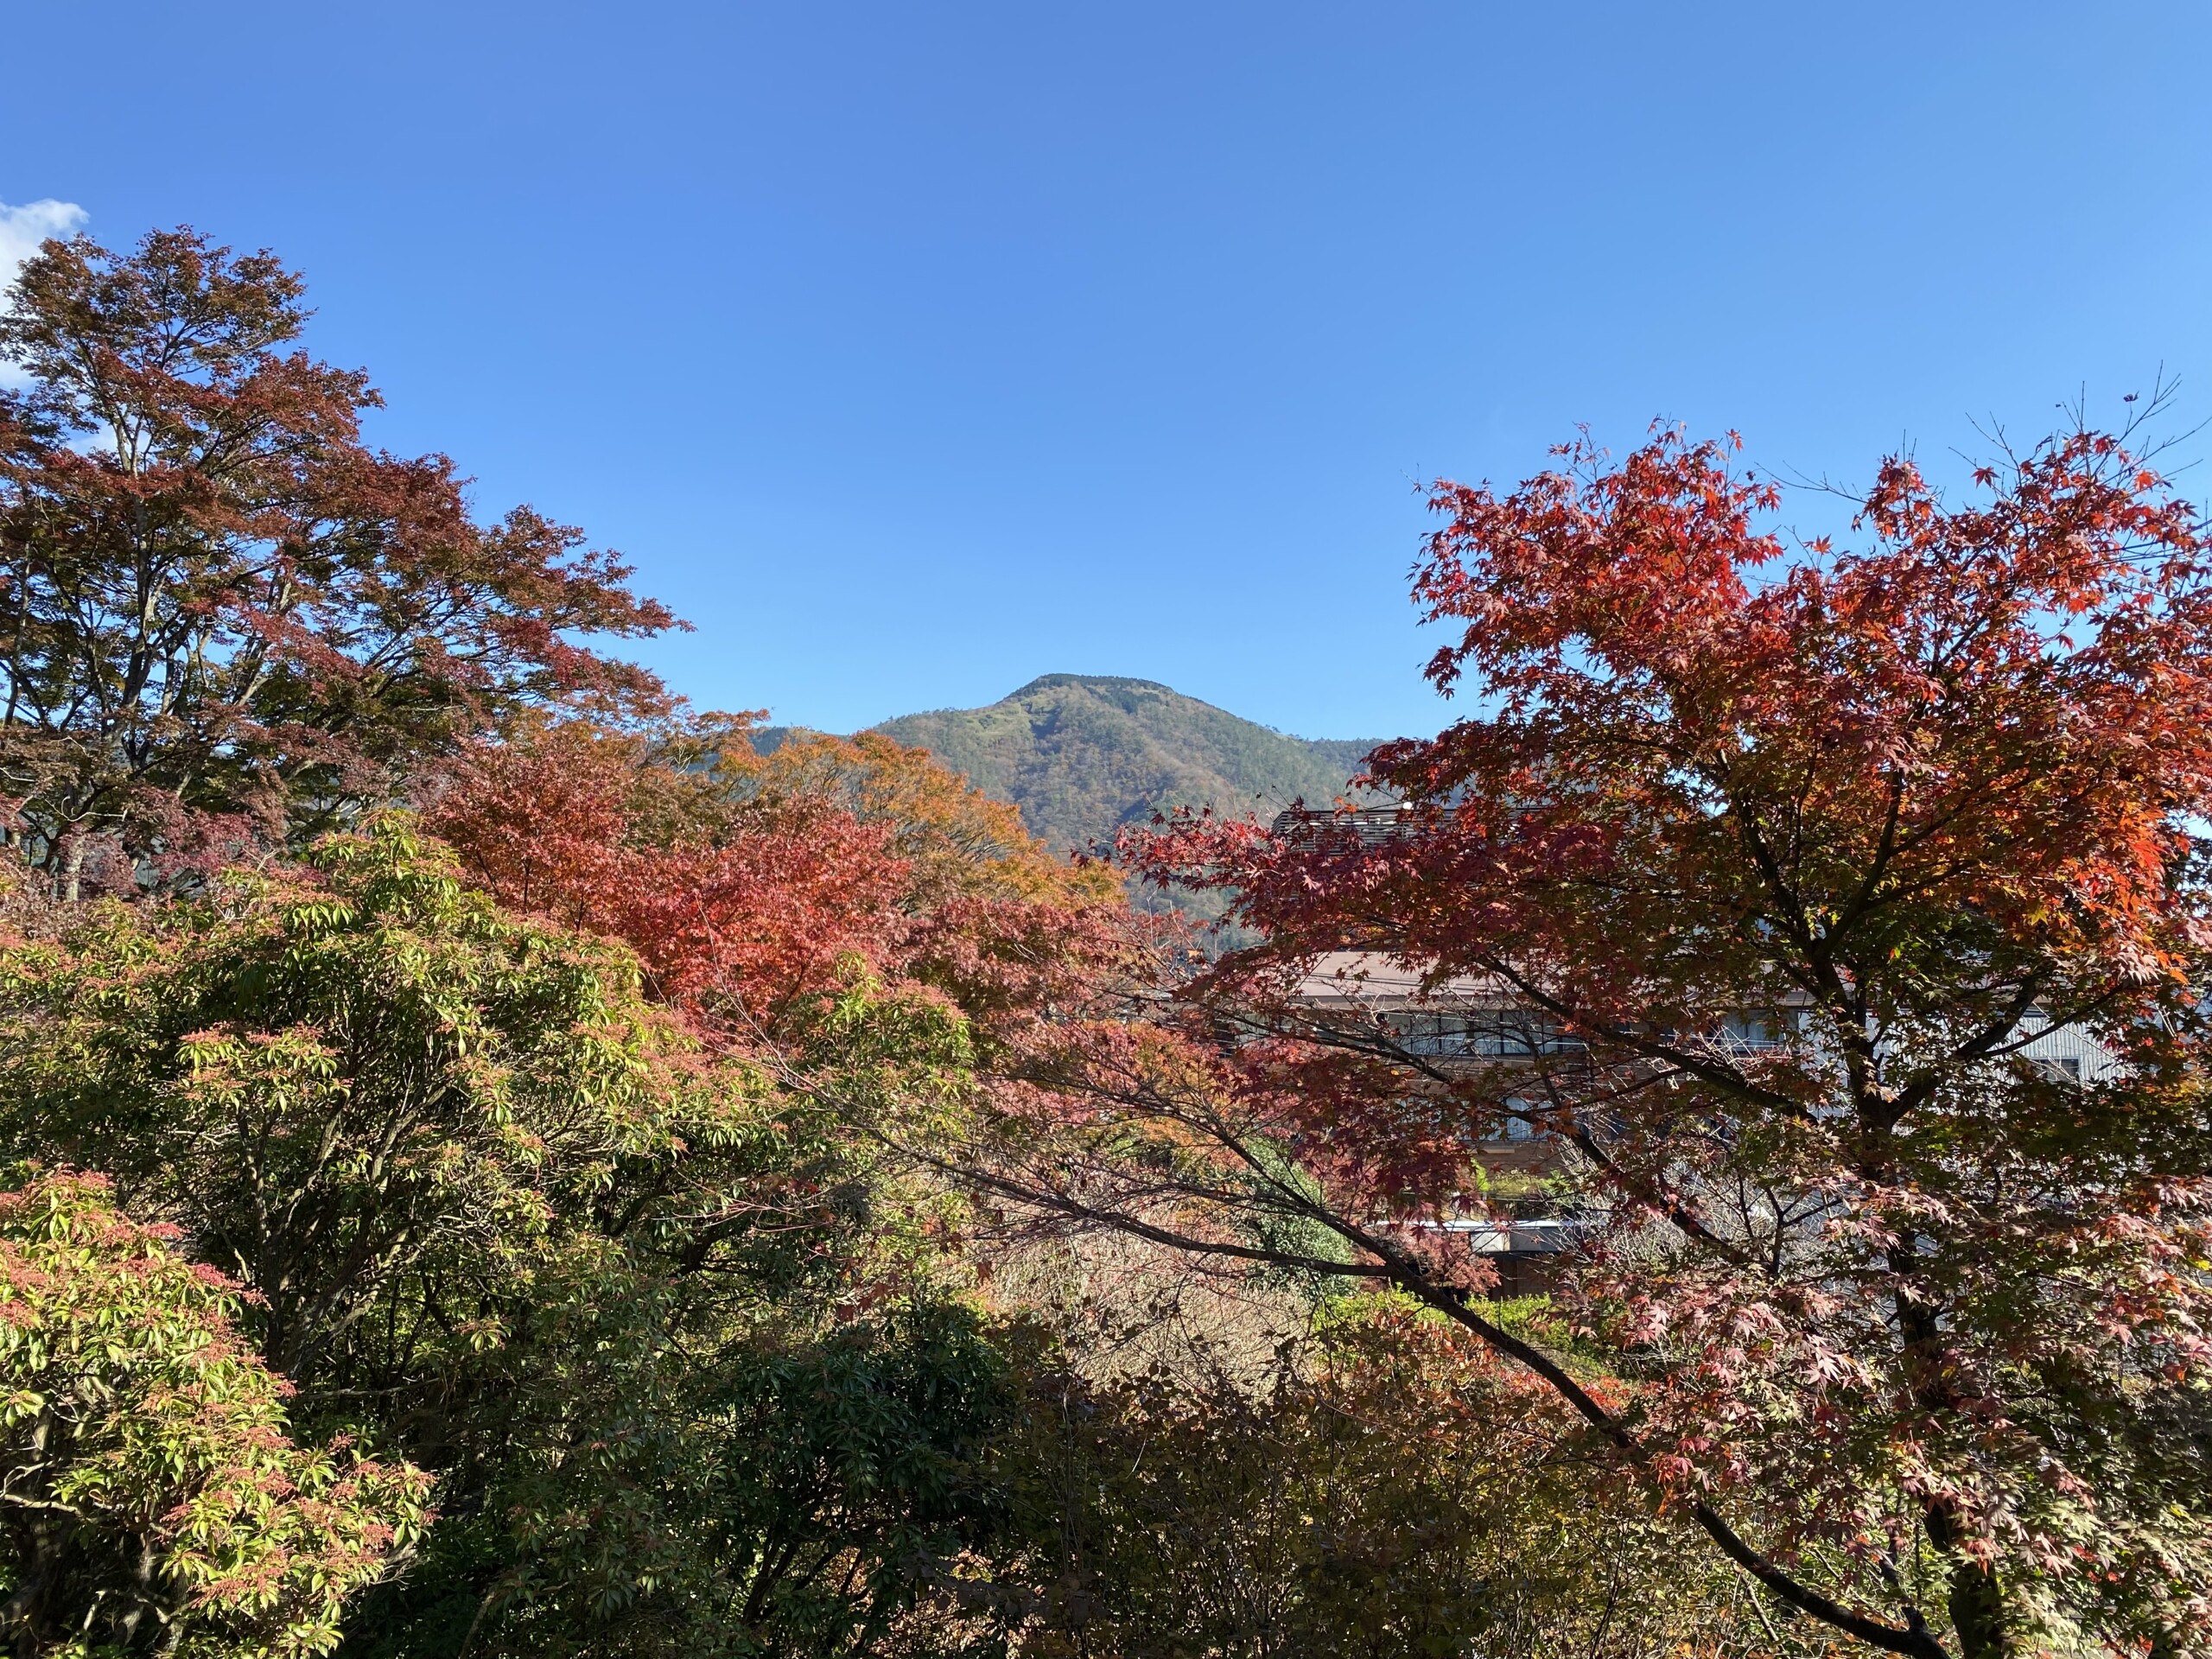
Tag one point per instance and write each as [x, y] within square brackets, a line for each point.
[150, 1498]
[673, 1346]
[695, 1491]
[375, 1098]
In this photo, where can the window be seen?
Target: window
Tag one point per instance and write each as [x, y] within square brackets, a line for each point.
[1748, 1033]
[1498, 1034]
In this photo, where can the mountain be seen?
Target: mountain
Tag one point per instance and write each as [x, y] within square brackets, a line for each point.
[1082, 754]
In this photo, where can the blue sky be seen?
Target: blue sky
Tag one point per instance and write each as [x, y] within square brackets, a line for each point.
[913, 350]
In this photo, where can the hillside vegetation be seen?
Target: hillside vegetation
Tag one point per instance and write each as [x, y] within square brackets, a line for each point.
[1082, 755]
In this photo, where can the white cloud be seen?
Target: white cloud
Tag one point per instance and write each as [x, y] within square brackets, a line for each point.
[22, 229]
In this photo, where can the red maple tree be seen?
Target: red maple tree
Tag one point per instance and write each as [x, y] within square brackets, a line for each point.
[224, 617]
[754, 887]
[1827, 926]
[729, 905]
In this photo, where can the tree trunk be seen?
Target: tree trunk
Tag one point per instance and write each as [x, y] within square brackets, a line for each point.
[1977, 1608]
[72, 866]
[1976, 1602]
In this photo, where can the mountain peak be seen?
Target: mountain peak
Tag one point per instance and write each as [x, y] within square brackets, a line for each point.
[1082, 755]
[1091, 683]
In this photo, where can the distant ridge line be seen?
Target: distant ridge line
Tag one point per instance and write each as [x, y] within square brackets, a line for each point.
[1082, 755]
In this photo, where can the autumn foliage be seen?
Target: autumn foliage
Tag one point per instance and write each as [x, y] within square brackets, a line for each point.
[1781, 872]
[663, 1141]
[227, 617]
[722, 900]
[753, 886]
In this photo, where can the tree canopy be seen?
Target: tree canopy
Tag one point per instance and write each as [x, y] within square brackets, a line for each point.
[496, 1164]
[1765, 878]
[224, 615]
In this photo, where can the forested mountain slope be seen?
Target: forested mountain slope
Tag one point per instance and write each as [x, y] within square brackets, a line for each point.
[1082, 754]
